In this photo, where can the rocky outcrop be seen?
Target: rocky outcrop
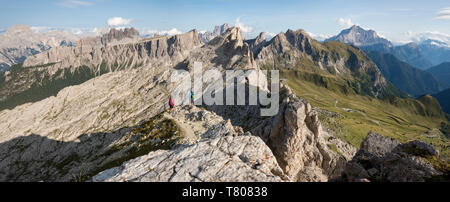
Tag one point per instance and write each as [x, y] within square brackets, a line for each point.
[227, 51]
[378, 144]
[302, 148]
[257, 43]
[220, 158]
[295, 41]
[382, 159]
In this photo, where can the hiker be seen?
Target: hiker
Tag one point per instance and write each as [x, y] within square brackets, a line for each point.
[192, 99]
[171, 103]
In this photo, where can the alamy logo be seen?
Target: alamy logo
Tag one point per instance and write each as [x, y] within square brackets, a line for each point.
[233, 84]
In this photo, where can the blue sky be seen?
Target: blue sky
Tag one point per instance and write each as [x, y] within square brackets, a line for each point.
[397, 20]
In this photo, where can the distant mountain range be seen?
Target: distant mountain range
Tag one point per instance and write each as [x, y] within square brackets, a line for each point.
[421, 55]
[403, 65]
[19, 42]
[409, 79]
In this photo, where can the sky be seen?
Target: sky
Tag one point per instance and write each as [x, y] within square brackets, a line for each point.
[399, 20]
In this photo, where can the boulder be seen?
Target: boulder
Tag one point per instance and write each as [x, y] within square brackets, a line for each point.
[382, 159]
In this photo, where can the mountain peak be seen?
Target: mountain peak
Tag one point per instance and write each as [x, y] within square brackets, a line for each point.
[18, 29]
[433, 42]
[232, 34]
[113, 37]
[358, 36]
[218, 30]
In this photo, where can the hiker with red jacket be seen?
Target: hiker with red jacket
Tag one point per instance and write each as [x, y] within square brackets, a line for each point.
[171, 103]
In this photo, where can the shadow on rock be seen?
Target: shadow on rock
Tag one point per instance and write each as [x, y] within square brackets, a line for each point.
[38, 158]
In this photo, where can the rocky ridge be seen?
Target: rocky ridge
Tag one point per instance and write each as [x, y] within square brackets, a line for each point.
[220, 155]
[109, 49]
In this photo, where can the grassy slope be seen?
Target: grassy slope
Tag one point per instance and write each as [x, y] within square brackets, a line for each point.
[401, 122]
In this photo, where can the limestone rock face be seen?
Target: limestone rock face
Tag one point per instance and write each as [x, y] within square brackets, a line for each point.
[111, 38]
[83, 128]
[216, 152]
[300, 145]
[221, 158]
[296, 41]
[227, 51]
[257, 43]
[115, 49]
[383, 159]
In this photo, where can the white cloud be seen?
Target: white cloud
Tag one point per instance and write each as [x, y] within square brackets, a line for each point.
[173, 31]
[319, 37]
[345, 22]
[41, 29]
[244, 28]
[151, 32]
[443, 14]
[74, 3]
[118, 21]
[44, 29]
[99, 31]
[418, 37]
[76, 31]
[270, 34]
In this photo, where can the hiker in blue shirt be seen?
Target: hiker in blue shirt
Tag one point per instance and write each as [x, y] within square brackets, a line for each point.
[192, 99]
